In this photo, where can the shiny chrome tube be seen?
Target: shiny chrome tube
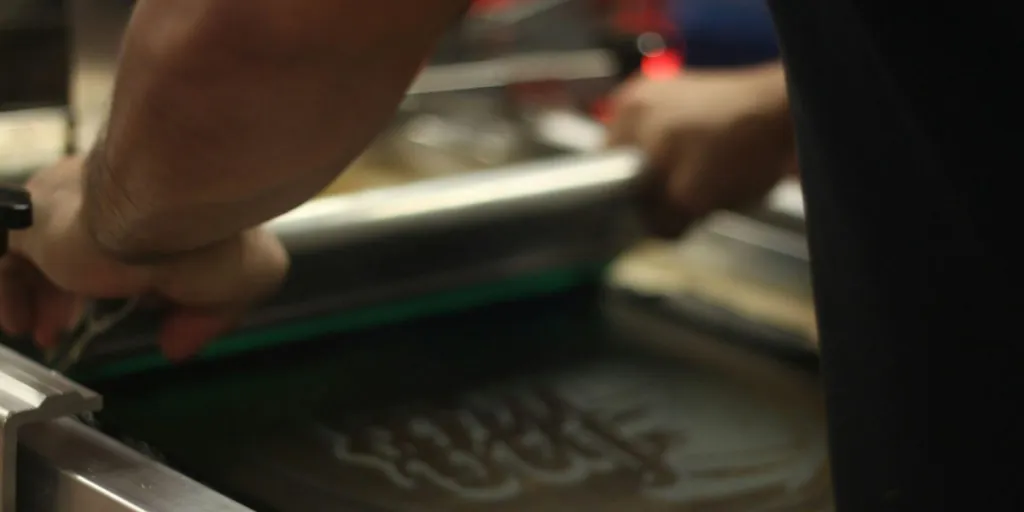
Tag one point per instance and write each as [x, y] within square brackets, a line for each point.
[70, 467]
[533, 187]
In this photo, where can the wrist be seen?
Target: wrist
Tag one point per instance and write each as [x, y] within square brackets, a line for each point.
[105, 209]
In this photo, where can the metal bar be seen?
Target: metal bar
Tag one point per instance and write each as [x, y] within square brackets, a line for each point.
[502, 193]
[562, 66]
[31, 393]
[70, 467]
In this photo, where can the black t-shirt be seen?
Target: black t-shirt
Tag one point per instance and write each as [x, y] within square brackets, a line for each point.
[908, 121]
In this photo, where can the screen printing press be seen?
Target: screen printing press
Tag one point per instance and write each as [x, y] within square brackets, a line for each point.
[450, 339]
[465, 341]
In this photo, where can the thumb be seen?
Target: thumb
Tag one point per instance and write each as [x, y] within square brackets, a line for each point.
[185, 331]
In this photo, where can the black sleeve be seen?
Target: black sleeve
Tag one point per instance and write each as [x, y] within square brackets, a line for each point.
[908, 121]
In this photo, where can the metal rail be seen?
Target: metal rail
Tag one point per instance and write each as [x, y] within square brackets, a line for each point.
[31, 393]
[74, 468]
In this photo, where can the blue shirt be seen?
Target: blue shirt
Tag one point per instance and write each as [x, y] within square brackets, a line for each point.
[725, 32]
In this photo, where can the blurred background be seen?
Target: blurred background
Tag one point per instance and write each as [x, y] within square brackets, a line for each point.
[476, 319]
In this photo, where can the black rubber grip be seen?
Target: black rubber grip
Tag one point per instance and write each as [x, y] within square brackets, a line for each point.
[15, 212]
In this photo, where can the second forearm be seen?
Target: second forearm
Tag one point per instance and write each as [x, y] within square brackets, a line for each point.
[226, 114]
[772, 93]
[773, 97]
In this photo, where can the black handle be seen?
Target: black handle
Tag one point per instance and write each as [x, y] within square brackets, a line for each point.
[15, 212]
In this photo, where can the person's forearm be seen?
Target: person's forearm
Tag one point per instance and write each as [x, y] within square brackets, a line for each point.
[226, 114]
[771, 88]
[776, 87]
[771, 79]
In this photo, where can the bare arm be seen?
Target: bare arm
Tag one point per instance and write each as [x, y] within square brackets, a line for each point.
[228, 113]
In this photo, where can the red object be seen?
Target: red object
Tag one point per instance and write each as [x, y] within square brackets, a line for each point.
[602, 110]
[488, 5]
[640, 16]
[662, 65]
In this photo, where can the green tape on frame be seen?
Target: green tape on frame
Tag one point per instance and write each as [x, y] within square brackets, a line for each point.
[348, 321]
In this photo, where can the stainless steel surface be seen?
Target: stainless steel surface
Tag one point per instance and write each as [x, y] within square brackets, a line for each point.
[518, 12]
[31, 393]
[732, 289]
[70, 467]
[759, 234]
[501, 71]
[532, 187]
[529, 187]
[505, 28]
[440, 134]
[788, 198]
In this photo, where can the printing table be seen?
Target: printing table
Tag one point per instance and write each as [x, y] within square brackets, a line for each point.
[572, 401]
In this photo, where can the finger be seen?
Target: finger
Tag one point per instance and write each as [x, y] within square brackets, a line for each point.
[622, 128]
[213, 289]
[659, 141]
[240, 272]
[651, 201]
[17, 297]
[688, 188]
[727, 178]
[626, 112]
[664, 220]
[625, 89]
[674, 208]
[187, 330]
[55, 313]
